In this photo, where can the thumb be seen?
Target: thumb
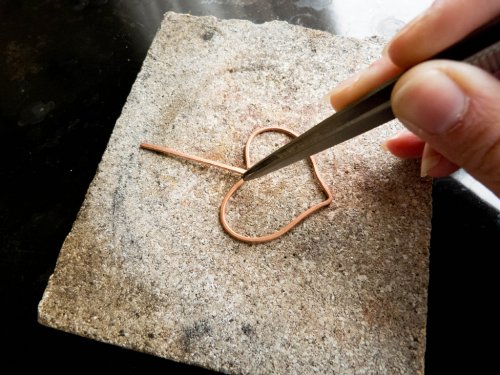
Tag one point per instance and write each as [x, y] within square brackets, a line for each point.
[454, 107]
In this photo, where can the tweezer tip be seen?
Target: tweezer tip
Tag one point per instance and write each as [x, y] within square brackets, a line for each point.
[245, 177]
[248, 175]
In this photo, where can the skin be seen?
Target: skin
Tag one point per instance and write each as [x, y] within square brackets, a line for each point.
[460, 125]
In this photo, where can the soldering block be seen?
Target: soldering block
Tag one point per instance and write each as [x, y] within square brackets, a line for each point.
[148, 267]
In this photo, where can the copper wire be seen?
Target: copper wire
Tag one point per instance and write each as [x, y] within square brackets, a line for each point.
[240, 182]
[169, 151]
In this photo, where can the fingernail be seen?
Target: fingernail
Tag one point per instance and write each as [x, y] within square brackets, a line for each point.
[384, 146]
[429, 101]
[326, 98]
[428, 163]
[345, 84]
[430, 159]
[386, 48]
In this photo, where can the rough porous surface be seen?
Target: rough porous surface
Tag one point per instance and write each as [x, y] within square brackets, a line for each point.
[147, 265]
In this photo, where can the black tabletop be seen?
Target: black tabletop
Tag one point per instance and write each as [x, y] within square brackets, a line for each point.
[66, 69]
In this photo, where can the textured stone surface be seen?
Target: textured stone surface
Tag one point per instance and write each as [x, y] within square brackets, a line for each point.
[148, 267]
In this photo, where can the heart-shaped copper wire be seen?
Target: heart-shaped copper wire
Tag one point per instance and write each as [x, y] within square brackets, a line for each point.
[240, 183]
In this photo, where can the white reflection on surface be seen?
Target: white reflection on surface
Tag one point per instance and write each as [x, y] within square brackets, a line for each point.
[479, 189]
[362, 18]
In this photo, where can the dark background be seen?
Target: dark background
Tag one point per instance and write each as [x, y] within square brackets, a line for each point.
[66, 69]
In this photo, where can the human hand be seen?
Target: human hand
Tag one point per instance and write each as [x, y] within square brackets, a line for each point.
[451, 108]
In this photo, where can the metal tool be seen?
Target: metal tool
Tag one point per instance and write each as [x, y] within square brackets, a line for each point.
[480, 48]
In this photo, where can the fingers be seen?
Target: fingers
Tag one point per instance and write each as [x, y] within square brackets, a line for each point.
[405, 145]
[434, 164]
[363, 82]
[444, 23]
[450, 106]
[454, 108]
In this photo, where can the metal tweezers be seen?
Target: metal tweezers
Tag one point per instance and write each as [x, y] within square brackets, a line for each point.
[480, 48]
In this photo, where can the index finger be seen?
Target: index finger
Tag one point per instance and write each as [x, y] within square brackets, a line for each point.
[444, 23]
